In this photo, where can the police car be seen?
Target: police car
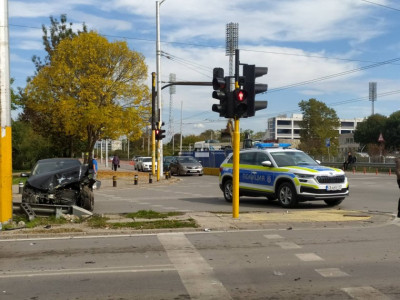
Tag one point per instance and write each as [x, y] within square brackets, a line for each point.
[289, 175]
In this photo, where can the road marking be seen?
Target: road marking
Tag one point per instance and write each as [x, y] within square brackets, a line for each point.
[196, 274]
[85, 271]
[331, 272]
[309, 257]
[273, 236]
[364, 293]
[288, 245]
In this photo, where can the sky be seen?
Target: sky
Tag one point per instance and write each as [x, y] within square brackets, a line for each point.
[329, 50]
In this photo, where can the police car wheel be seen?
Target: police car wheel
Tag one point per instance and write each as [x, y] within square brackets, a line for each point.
[333, 202]
[228, 190]
[287, 195]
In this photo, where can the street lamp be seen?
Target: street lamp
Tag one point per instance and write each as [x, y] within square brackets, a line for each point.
[158, 71]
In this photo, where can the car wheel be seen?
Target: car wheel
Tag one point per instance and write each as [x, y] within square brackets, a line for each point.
[287, 195]
[228, 190]
[334, 202]
[87, 199]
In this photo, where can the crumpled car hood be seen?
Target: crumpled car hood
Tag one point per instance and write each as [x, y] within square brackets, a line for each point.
[56, 179]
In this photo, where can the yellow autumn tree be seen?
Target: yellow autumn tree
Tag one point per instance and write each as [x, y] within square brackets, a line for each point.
[92, 89]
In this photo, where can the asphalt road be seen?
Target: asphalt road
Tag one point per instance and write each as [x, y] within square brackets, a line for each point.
[303, 263]
[368, 192]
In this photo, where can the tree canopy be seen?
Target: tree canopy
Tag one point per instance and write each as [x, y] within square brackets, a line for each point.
[91, 89]
[319, 123]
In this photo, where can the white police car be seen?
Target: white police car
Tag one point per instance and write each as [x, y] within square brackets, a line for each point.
[289, 175]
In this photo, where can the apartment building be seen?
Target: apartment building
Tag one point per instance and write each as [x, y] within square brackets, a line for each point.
[284, 127]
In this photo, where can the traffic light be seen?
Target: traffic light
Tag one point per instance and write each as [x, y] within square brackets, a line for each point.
[160, 133]
[250, 73]
[221, 92]
[240, 102]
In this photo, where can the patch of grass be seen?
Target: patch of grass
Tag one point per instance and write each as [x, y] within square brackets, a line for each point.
[18, 179]
[151, 214]
[39, 221]
[97, 221]
[189, 223]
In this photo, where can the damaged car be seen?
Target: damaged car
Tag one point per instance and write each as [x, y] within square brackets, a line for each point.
[60, 181]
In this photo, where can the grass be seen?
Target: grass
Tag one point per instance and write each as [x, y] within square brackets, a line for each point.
[18, 179]
[189, 223]
[151, 214]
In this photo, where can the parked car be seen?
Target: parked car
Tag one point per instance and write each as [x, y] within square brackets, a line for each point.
[60, 181]
[185, 165]
[166, 161]
[145, 164]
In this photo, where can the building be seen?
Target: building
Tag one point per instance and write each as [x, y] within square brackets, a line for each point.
[283, 127]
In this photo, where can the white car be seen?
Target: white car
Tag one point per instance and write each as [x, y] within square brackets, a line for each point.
[145, 164]
[289, 175]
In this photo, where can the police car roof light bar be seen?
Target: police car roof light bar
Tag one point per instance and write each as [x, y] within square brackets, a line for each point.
[272, 145]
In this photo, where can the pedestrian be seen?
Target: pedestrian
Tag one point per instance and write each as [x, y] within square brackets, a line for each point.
[348, 161]
[95, 167]
[398, 182]
[115, 162]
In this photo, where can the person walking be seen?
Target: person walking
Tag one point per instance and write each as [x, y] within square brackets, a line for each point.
[95, 167]
[115, 162]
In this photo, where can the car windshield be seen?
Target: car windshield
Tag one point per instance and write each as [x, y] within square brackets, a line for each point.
[147, 159]
[168, 159]
[187, 159]
[54, 165]
[291, 158]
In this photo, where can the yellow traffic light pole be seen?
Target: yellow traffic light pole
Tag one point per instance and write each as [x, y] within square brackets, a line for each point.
[5, 120]
[235, 183]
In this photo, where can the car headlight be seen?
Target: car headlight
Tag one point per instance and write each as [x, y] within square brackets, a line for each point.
[304, 176]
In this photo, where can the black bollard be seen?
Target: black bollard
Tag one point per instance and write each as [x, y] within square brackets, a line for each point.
[135, 179]
[114, 181]
[150, 178]
[20, 187]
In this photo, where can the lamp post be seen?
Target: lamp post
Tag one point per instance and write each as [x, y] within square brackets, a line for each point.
[158, 70]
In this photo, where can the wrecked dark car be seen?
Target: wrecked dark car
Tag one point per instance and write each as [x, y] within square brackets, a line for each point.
[60, 181]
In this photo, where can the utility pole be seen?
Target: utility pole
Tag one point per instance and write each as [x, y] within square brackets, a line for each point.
[158, 72]
[5, 120]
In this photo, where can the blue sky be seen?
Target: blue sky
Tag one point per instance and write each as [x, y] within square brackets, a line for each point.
[313, 49]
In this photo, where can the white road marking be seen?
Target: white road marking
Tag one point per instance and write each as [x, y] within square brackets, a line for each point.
[288, 245]
[364, 293]
[196, 274]
[85, 271]
[331, 272]
[273, 236]
[309, 257]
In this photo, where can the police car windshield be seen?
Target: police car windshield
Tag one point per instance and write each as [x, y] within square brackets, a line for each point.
[291, 158]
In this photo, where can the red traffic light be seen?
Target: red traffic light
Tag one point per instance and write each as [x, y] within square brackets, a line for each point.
[241, 95]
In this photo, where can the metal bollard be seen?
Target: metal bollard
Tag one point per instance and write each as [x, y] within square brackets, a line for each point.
[167, 175]
[20, 187]
[150, 178]
[135, 179]
[114, 181]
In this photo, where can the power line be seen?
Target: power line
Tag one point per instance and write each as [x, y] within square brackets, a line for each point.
[378, 4]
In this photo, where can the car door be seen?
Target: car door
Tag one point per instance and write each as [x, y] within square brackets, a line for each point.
[246, 171]
[263, 177]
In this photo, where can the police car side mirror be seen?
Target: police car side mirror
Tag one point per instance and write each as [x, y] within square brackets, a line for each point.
[266, 163]
[318, 161]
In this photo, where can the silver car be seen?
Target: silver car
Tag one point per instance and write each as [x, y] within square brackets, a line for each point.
[185, 165]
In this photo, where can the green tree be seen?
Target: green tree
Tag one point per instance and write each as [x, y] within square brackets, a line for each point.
[91, 89]
[319, 123]
[28, 146]
[391, 131]
[368, 131]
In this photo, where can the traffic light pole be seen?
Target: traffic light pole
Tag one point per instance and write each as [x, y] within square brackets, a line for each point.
[153, 123]
[235, 175]
[5, 120]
